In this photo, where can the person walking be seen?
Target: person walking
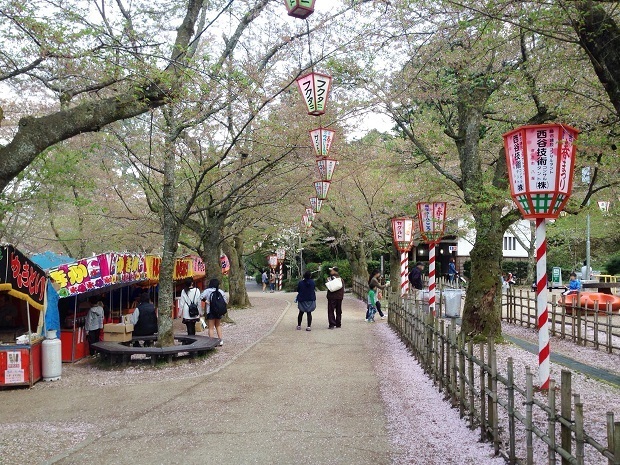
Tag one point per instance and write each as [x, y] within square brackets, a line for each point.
[272, 281]
[375, 282]
[372, 304]
[214, 320]
[415, 277]
[94, 323]
[190, 306]
[265, 280]
[306, 299]
[452, 273]
[334, 299]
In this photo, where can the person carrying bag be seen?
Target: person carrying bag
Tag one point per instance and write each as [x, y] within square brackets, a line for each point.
[190, 306]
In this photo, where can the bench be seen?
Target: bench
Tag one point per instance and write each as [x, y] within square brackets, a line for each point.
[193, 345]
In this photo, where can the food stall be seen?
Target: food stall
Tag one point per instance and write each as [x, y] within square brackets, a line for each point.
[22, 298]
[190, 266]
[114, 278]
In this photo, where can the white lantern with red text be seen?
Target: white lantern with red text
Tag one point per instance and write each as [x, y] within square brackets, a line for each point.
[322, 141]
[326, 167]
[322, 188]
[316, 204]
[306, 221]
[402, 234]
[540, 161]
[272, 260]
[300, 8]
[432, 220]
[314, 88]
[310, 213]
[280, 255]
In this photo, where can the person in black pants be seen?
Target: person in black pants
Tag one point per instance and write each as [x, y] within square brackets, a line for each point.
[334, 301]
[94, 322]
[306, 299]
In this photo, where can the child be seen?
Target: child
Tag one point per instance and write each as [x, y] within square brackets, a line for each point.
[372, 304]
[574, 285]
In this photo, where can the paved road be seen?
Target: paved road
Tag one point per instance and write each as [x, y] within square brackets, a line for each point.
[296, 397]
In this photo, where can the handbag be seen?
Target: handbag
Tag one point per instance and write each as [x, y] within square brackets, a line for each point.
[334, 285]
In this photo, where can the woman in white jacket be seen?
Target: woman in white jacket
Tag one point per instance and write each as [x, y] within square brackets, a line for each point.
[190, 295]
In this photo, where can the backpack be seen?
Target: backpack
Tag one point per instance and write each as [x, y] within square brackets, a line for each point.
[192, 308]
[217, 304]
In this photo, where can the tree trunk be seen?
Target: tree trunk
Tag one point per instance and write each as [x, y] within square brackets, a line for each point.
[171, 231]
[212, 247]
[482, 312]
[599, 36]
[356, 254]
[394, 271]
[233, 248]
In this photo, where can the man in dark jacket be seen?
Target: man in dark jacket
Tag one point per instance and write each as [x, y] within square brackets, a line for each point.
[144, 317]
[334, 301]
[415, 277]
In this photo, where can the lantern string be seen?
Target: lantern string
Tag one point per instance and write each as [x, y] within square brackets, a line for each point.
[309, 45]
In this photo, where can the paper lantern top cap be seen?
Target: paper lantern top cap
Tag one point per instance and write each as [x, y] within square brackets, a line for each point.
[540, 161]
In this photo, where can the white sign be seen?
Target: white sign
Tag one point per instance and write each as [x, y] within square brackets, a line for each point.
[13, 360]
[13, 376]
[452, 248]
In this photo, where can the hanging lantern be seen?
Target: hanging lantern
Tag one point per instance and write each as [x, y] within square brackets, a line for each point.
[272, 260]
[402, 234]
[432, 220]
[314, 88]
[316, 204]
[322, 141]
[326, 168]
[299, 8]
[322, 187]
[540, 161]
[310, 213]
[306, 221]
[280, 255]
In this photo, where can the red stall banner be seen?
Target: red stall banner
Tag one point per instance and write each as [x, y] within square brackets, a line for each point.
[21, 277]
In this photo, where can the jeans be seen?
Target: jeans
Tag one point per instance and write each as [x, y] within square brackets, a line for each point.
[378, 307]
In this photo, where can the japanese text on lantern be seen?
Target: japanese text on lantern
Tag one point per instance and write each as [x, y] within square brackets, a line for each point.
[515, 151]
[565, 161]
[542, 167]
[427, 218]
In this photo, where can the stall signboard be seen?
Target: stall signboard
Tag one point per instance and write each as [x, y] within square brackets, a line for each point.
[183, 268]
[21, 277]
[98, 272]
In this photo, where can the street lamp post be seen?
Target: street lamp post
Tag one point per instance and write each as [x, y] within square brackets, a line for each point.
[540, 161]
[432, 221]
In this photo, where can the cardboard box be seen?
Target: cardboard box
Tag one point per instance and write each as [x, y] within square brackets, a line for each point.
[117, 332]
[117, 328]
[116, 337]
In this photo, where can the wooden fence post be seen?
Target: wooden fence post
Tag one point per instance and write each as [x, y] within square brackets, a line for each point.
[566, 412]
[493, 413]
[579, 435]
[470, 371]
[453, 370]
[462, 389]
[551, 421]
[528, 417]
[617, 443]
[442, 355]
[610, 436]
[483, 409]
[512, 457]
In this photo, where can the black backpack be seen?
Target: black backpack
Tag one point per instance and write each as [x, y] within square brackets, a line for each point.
[217, 304]
[192, 309]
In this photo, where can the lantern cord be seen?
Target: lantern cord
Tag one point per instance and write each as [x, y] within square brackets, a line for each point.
[309, 45]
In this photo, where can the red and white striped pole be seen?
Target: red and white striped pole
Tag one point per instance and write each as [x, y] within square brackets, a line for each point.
[404, 273]
[541, 304]
[431, 278]
[280, 277]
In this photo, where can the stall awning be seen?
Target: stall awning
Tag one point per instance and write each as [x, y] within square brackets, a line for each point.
[21, 277]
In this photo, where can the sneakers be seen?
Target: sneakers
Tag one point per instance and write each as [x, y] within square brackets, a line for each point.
[221, 343]
[308, 328]
[298, 328]
[383, 317]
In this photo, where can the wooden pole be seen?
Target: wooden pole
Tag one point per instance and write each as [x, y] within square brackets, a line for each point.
[529, 398]
[579, 434]
[610, 436]
[551, 421]
[470, 370]
[617, 443]
[483, 409]
[566, 412]
[512, 457]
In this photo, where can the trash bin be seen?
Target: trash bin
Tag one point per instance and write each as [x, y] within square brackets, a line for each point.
[452, 302]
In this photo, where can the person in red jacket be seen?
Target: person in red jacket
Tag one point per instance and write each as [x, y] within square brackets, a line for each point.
[334, 301]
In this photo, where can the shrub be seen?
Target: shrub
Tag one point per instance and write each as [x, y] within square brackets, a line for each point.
[613, 265]
[467, 269]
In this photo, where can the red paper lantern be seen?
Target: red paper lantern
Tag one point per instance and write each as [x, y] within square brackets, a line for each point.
[540, 161]
[402, 234]
[326, 168]
[432, 220]
[322, 188]
[316, 204]
[314, 88]
[322, 141]
[299, 8]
